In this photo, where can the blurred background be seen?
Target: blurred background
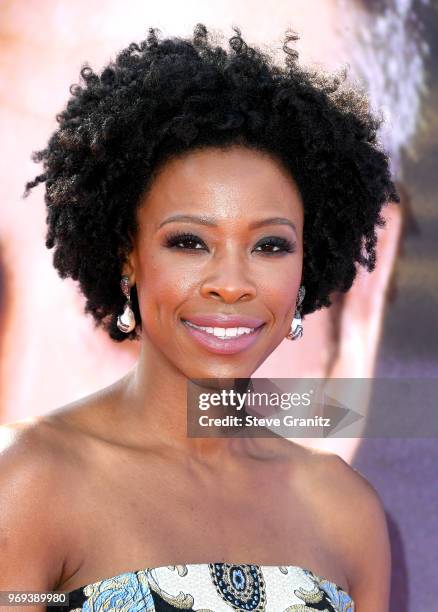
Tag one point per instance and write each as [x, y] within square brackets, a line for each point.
[50, 353]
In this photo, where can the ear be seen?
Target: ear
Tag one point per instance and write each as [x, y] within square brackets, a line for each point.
[128, 268]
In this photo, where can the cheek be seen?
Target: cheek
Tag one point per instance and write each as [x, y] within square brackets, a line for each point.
[164, 285]
[278, 290]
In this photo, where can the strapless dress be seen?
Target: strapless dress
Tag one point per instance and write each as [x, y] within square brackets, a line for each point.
[210, 587]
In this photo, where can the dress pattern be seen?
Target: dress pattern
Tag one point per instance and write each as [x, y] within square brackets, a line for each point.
[211, 587]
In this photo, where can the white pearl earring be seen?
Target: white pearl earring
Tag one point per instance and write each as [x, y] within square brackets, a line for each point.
[126, 321]
[296, 328]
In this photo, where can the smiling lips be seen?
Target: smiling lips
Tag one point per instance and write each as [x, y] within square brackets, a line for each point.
[224, 334]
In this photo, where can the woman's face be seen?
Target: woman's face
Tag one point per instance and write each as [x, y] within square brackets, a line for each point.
[220, 236]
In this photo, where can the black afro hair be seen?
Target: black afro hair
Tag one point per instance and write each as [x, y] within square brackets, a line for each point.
[163, 97]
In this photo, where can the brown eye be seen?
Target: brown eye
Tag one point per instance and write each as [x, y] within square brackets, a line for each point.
[275, 245]
[184, 241]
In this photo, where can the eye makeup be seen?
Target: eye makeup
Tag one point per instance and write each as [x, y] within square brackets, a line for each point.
[186, 241]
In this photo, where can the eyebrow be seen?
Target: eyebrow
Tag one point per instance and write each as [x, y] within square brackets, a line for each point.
[212, 223]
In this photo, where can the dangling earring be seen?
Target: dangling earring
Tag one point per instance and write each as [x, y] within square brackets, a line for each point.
[296, 329]
[126, 321]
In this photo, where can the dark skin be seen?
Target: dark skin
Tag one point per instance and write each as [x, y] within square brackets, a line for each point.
[132, 490]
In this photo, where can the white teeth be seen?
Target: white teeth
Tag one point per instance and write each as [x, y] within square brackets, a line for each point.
[224, 332]
[231, 332]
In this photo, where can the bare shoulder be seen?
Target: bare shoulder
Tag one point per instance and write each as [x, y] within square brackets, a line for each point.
[28, 452]
[50, 449]
[334, 485]
[342, 479]
[40, 445]
[346, 492]
[42, 463]
[30, 483]
[44, 453]
[354, 515]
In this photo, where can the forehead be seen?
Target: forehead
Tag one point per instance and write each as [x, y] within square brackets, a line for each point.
[222, 182]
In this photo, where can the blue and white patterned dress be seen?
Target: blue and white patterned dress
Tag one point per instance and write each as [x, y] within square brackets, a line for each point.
[211, 587]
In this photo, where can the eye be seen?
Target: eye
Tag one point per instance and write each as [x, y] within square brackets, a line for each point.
[186, 239]
[276, 244]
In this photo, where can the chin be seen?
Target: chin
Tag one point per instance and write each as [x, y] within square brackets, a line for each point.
[222, 371]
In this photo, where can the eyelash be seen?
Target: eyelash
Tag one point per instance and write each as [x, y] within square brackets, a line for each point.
[283, 244]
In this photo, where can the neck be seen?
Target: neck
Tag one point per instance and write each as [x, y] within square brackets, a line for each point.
[155, 396]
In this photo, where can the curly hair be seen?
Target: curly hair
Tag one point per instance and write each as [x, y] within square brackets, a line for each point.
[164, 97]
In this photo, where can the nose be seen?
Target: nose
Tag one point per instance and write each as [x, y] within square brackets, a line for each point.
[229, 281]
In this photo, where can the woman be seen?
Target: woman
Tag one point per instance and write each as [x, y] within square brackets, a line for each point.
[188, 186]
